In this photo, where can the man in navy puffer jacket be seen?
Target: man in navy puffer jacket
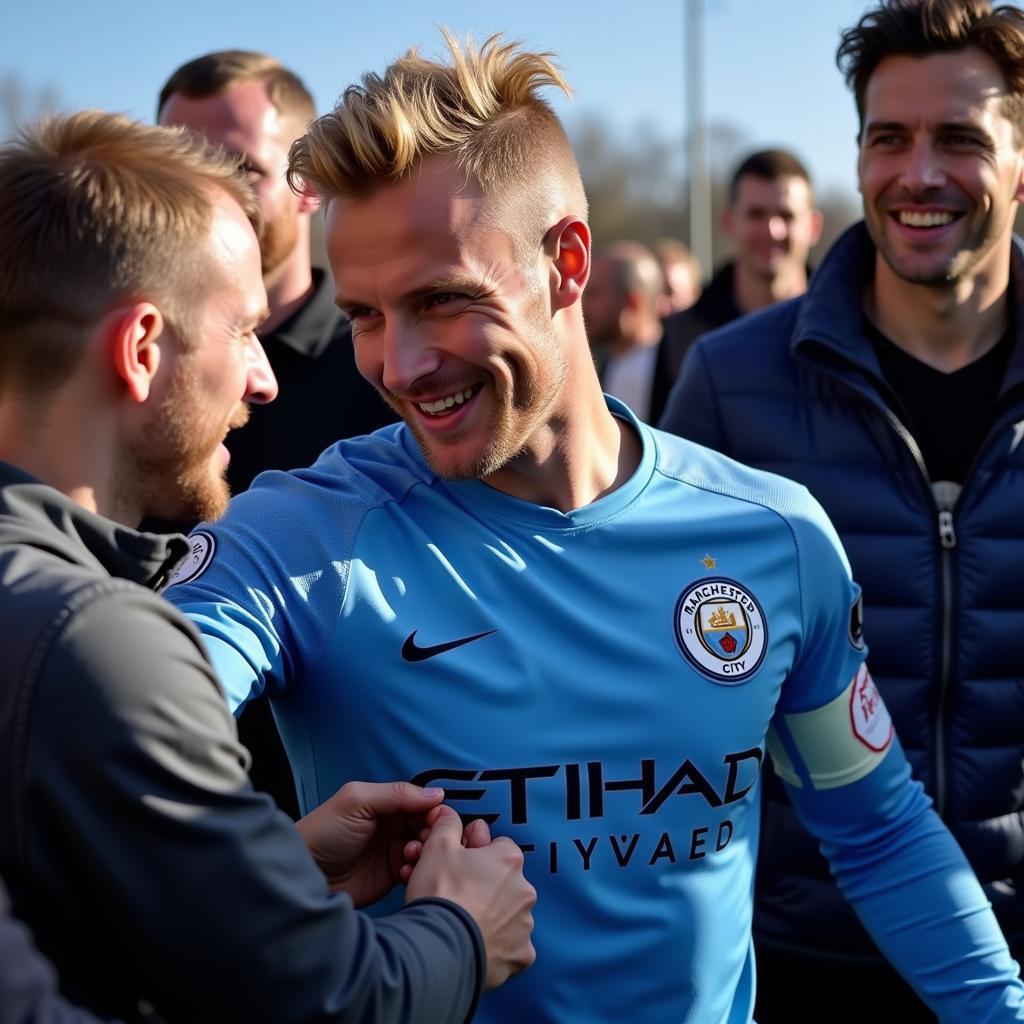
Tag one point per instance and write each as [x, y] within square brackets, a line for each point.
[894, 390]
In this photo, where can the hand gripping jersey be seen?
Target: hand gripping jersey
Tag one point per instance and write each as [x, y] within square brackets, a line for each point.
[600, 686]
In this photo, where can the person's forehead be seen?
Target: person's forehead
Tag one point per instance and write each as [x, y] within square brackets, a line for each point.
[241, 118]
[436, 215]
[962, 85]
[785, 190]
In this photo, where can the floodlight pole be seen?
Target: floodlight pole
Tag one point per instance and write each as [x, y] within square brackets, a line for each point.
[700, 172]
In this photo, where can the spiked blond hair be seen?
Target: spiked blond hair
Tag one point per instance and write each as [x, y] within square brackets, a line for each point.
[482, 108]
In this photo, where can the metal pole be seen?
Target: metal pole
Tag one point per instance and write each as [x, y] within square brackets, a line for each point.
[700, 172]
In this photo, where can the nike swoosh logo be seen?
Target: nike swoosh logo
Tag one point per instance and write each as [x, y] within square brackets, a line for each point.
[411, 652]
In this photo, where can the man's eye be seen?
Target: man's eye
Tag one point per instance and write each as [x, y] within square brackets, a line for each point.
[359, 312]
[442, 299]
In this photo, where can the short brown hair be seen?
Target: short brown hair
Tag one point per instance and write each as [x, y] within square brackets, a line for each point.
[769, 165]
[98, 209]
[217, 73]
[919, 28]
[482, 108]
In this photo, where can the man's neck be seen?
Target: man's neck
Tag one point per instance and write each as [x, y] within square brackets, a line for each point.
[946, 328]
[754, 291]
[65, 448]
[581, 452]
[289, 287]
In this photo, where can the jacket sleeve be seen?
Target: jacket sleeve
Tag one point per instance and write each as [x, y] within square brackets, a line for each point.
[28, 984]
[692, 408]
[832, 743]
[207, 893]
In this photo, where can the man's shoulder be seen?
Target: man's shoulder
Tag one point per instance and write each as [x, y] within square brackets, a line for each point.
[68, 624]
[333, 496]
[808, 531]
[693, 465]
[43, 581]
[368, 470]
[770, 330]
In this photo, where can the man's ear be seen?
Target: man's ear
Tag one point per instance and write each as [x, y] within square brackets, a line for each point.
[134, 335]
[817, 224]
[567, 246]
[308, 203]
[1019, 196]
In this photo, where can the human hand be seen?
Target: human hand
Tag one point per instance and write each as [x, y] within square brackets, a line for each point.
[485, 877]
[358, 835]
[474, 835]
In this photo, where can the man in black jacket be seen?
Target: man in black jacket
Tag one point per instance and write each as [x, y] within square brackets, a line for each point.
[772, 224]
[255, 108]
[148, 870]
[893, 390]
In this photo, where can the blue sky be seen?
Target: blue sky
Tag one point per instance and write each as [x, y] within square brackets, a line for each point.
[769, 67]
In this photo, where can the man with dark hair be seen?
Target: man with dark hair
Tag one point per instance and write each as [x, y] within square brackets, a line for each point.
[148, 870]
[579, 625]
[255, 108]
[893, 391]
[772, 224]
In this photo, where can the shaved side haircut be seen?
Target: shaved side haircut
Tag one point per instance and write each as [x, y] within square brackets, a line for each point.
[481, 107]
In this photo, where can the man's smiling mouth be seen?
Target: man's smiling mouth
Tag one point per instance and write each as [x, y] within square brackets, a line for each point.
[440, 406]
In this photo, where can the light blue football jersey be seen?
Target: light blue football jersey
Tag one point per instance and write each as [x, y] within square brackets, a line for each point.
[600, 686]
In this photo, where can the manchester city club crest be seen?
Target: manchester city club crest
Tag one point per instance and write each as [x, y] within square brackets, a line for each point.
[721, 630]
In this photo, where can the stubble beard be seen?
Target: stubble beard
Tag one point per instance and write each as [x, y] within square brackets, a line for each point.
[512, 419]
[280, 236]
[971, 252]
[170, 468]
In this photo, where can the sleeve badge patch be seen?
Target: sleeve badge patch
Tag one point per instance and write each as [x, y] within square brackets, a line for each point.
[721, 630]
[868, 713]
[196, 561]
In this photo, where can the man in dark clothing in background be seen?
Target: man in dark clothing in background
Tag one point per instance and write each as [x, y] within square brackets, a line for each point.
[255, 108]
[772, 225]
[894, 389]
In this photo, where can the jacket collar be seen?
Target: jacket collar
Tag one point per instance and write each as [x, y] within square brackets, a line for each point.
[829, 325]
[311, 328]
[717, 303]
[34, 513]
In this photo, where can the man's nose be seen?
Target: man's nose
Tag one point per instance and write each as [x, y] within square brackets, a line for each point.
[922, 169]
[407, 357]
[260, 382]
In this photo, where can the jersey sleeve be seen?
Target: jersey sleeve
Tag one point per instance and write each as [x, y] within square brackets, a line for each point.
[263, 586]
[208, 894]
[832, 743]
